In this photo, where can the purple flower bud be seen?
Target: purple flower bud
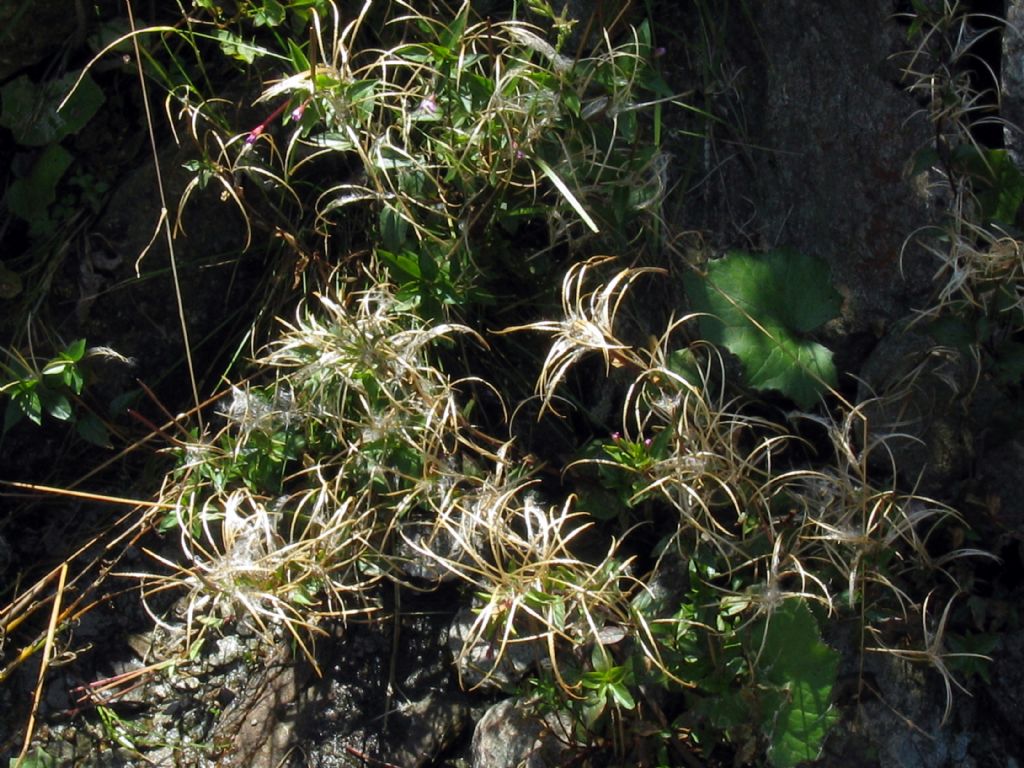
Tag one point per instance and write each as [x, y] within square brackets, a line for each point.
[299, 111]
[648, 442]
[659, 52]
[254, 134]
[616, 436]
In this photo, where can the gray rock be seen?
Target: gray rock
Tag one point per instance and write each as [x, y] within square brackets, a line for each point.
[999, 447]
[260, 725]
[916, 397]
[813, 153]
[35, 30]
[484, 664]
[1003, 700]
[897, 720]
[508, 736]
[1012, 80]
[227, 650]
[419, 536]
[419, 731]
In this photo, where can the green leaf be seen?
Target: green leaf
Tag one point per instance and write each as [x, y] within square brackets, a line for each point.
[924, 159]
[300, 596]
[760, 308]
[168, 522]
[30, 109]
[270, 14]
[393, 228]
[998, 184]
[953, 331]
[339, 142]
[297, 56]
[72, 379]
[429, 269]
[571, 101]
[29, 198]
[91, 428]
[794, 658]
[976, 649]
[56, 367]
[725, 710]
[683, 364]
[452, 37]
[593, 710]
[622, 695]
[35, 759]
[30, 404]
[75, 350]
[562, 187]
[55, 403]
[600, 503]
[406, 263]
[234, 46]
[12, 415]
[361, 96]
[1009, 362]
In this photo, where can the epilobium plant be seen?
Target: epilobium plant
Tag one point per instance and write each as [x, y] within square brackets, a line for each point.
[288, 515]
[419, 163]
[976, 304]
[450, 138]
[763, 543]
[52, 389]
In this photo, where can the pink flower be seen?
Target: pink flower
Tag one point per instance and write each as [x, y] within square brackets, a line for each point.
[429, 105]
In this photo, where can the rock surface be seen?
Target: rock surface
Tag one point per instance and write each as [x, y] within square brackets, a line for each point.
[34, 29]
[508, 736]
[814, 153]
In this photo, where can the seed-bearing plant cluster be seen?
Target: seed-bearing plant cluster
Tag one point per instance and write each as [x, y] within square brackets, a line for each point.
[458, 205]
